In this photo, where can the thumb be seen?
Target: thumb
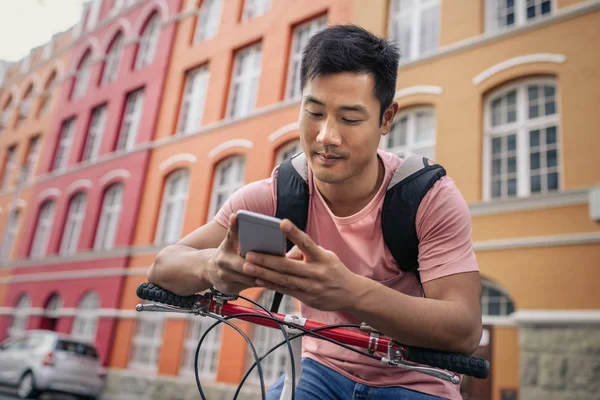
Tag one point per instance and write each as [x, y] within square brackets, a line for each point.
[231, 240]
[295, 254]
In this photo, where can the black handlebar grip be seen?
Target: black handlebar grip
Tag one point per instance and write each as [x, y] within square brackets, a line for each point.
[454, 362]
[151, 292]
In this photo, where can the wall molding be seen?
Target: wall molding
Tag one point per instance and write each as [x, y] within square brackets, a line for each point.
[44, 194]
[243, 143]
[186, 157]
[554, 317]
[573, 239]
[294, 126]
[413, 90]
[516, 61]
[550, 200]
[80, 183]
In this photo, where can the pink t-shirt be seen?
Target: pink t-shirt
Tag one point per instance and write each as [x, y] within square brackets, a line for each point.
[445, 248]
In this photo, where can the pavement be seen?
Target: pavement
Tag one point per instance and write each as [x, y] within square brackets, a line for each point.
[7, 393]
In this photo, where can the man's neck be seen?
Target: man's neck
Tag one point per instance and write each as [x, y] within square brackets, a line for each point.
[349, 197]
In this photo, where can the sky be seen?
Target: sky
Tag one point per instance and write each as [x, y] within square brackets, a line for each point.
[25, 24]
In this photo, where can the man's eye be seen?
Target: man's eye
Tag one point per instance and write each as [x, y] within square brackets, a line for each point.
[312, 114]
[351, 121]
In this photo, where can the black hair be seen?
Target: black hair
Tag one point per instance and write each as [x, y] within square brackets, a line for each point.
[350, 48]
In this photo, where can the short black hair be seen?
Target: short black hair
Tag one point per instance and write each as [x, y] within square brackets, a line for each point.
[351, 48]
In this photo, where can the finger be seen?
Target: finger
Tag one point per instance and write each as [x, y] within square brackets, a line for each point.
[278, 278]
[302, 240]
[232, 240]
[298, 294]
[295, 254]
[280, 264]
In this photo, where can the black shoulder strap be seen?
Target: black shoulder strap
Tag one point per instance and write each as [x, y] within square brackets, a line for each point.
[292, 199]
[409, 185]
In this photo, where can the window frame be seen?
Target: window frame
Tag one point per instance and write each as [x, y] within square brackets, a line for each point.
[95, 132]
[130, 121]
[167, 224]
[204, 14]
[247, 82]
[85, 323]
[39, 244]
[239, 162]
[63, 147]
[409, 149]
[73, 225]
[415, 16]
[520, 11]
[195, 90]
[106, 233]
[112, 61]
[146, 51]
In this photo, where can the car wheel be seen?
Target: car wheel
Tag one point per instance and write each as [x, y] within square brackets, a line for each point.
[26, 387]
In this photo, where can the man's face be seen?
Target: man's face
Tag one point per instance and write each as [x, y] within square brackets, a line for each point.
[340, 125]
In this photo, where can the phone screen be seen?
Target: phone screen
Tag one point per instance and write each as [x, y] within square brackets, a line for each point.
[260, 233]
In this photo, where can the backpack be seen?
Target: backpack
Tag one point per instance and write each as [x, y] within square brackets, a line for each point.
[407, 188]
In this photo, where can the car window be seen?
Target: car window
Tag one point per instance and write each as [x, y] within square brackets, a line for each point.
[16, 344]
[77, 348]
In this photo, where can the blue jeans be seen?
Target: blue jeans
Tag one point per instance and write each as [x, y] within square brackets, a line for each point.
[319, 382]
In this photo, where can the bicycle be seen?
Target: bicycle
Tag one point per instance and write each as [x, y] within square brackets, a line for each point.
[214, 304]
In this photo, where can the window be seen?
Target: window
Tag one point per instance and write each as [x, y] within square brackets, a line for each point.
[148, 42]
[61, 157]
[25, 106]
[229, 177]
[209, 352]
[287, 151]
[506, 13]
[31, 159]
[117, 5]
[83, 76]
[209, 18]
[109, 218]
[9, 166]
[265, 338]
[86, 319]
[53, 306]
[94, 13]
[494, 300]
[73, 224]
[47, 94]
[131, 120]
[10, 232]
[6, 111]
[415, 26]
[111, 65]
[173, 207]
[255, 8]
[146, 343]
[20, 317]
[302, 34]
[244, 85]
[42, 230]
[413, 133]
[192, 104]
[94, 136]
[521, 148]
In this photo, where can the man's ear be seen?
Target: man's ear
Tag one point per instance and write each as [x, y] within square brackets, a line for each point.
[388, 118]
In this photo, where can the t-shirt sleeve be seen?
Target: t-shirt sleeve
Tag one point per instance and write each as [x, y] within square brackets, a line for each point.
[444, 232]
[258, 196]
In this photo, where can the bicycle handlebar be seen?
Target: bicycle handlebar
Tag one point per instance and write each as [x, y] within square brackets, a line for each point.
[397, 353]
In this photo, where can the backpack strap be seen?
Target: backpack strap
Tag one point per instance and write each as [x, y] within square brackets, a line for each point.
[407, 188]
[292, 199]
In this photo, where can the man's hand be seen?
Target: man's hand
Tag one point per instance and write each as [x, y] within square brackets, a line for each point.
[225, 267]
[310, 273]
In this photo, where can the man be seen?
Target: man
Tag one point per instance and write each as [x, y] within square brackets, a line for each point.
[340, 269]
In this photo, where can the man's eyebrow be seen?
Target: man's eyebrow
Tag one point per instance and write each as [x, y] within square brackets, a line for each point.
[353, 107]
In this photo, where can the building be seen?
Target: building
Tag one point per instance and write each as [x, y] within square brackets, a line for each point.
[77, 231]
[503, 94]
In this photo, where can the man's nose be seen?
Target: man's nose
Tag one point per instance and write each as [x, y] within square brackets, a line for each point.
[329, 134]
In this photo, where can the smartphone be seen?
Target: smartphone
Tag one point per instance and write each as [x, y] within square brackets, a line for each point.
[260, 233]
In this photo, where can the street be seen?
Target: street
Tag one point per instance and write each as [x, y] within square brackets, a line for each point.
[7, 393]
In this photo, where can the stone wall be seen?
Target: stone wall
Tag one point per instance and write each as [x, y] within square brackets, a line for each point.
[560, 363]
[124, 385]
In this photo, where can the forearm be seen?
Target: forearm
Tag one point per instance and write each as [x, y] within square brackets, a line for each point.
[437, 324]
[181, 269]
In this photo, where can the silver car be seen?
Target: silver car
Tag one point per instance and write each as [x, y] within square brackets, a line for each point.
[38, 361]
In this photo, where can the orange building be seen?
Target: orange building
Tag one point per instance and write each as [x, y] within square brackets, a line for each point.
[27, 103]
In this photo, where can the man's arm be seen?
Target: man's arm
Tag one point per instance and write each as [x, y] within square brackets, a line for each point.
[448, 319]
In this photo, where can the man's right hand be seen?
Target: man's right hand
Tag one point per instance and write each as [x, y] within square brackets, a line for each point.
[225, 267]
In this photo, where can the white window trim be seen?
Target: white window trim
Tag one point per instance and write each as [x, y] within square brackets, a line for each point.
[106, 234]
[10, 233]
[148, 42]
[20, 319]
[82, 77]
[255, 8]
[314, 26]
[93, 15]
[31, 160]
[64, 142]
[229, 187]
[168, 224]
[155, 342]
[95, 133]
[73, 225]
[520, 15]
[415, 33]
[127, 139]
[286, 148]
[113, 61]
[212, 14]
[85, 324]
[248, 80]
[409, 148]
[521, 129]
[9, 166]
[210, 348]
[485, 299]
[39, 247]
[191, 111]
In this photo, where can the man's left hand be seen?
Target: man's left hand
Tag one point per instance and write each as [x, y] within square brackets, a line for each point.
[310, 273]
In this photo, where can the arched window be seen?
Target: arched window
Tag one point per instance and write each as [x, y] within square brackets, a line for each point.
[73, 224]
[111, 65]
[265, 338]
[229, 177]
[43, 229]
[25, 106]
[83, 76]
[20, 316]
[209, 352]
[521, 147]
[494, 300]
[86, 319]
[5, 114]
[146, 343]
[287, 151]
[209, 18]
[415, 26]
[108, 223]
[414, 132]
[47, 94]
[53, 306]
[172, 210]
[148, 42]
